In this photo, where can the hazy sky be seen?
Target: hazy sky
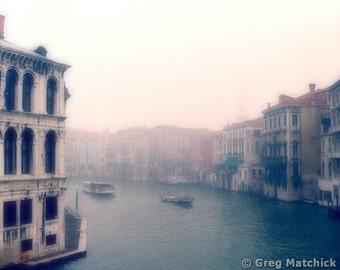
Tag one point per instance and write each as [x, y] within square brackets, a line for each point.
[190, 63]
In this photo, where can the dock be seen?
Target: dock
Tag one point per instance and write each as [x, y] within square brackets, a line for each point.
[75, 244]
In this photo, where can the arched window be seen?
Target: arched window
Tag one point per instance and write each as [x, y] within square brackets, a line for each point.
[27, 151]
[50, 96]
[27, 86]
[50, 145]
[11, 82]
[10, 151]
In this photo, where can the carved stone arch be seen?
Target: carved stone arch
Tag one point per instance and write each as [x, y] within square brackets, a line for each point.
[55, 80]
[28, 130]
[9, 127]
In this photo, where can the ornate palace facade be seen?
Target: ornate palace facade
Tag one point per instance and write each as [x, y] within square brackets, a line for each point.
[32, 129]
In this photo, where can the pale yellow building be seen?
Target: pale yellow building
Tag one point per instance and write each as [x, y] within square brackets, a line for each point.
[291, 142]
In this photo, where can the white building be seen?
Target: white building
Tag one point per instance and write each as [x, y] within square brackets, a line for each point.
[32, 127]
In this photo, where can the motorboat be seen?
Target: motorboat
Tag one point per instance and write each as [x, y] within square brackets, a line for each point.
[176, 199]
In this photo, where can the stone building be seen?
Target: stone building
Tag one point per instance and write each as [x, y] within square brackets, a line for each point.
[164, 153]
[85, 152]
[241, 145]
[32, 129]
[329, 182]
[291, 145]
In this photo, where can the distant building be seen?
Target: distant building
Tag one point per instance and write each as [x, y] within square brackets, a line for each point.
[291, 143]
[241, 148]
[32, 133]
[163, 153]
[85, 153]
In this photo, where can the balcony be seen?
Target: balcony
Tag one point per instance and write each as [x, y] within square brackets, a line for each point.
[31, 118]
[295, 128]
[334, 129]
[334, 154]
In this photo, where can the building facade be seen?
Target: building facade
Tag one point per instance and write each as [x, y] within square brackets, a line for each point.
[32, 133]
[241, 148]
[163, 153]
[329, 182]
[291, 146]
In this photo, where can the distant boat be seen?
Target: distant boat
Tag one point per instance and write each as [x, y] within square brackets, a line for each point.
[175, 199]
[178, 180]
[98, 188]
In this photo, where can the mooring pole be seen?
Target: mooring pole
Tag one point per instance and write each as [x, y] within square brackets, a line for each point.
[77, 198]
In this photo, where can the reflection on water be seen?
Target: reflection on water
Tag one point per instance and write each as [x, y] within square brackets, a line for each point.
[135, 230]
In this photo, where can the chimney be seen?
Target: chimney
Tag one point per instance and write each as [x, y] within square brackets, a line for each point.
[2, 26]
[311, 87]
[268, 105]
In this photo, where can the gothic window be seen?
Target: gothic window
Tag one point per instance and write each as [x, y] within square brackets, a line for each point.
[11, 83]
[27, 87]
[50, 96]
[50, 145]
[10, 151]
[26, 151]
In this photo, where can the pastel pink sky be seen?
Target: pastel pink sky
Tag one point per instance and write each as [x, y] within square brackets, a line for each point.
[189, 63]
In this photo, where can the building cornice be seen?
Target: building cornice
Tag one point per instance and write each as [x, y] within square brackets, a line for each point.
[19, 58]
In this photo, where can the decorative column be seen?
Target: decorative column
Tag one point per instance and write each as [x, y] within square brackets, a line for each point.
[2, 91]
[2, 172]
[18, 158]
[18, 98]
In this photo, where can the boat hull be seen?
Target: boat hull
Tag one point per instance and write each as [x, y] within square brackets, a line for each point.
[186, 200]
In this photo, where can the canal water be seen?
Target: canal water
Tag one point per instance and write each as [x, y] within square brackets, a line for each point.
[222, 229]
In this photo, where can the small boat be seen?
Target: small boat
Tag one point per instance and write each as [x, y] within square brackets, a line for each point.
[175, 199]
[98, 188]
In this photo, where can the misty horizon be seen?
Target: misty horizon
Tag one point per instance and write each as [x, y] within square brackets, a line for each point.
[191, 64]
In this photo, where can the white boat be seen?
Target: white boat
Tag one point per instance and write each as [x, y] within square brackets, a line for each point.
[178, 180]
[175, 199]
[98, 188]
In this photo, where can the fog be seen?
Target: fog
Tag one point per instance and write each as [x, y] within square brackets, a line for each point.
[199, 64]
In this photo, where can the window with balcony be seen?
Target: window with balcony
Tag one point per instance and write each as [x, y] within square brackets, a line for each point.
[295, 122]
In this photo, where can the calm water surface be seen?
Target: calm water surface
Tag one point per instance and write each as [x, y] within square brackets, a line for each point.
[135, 230]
